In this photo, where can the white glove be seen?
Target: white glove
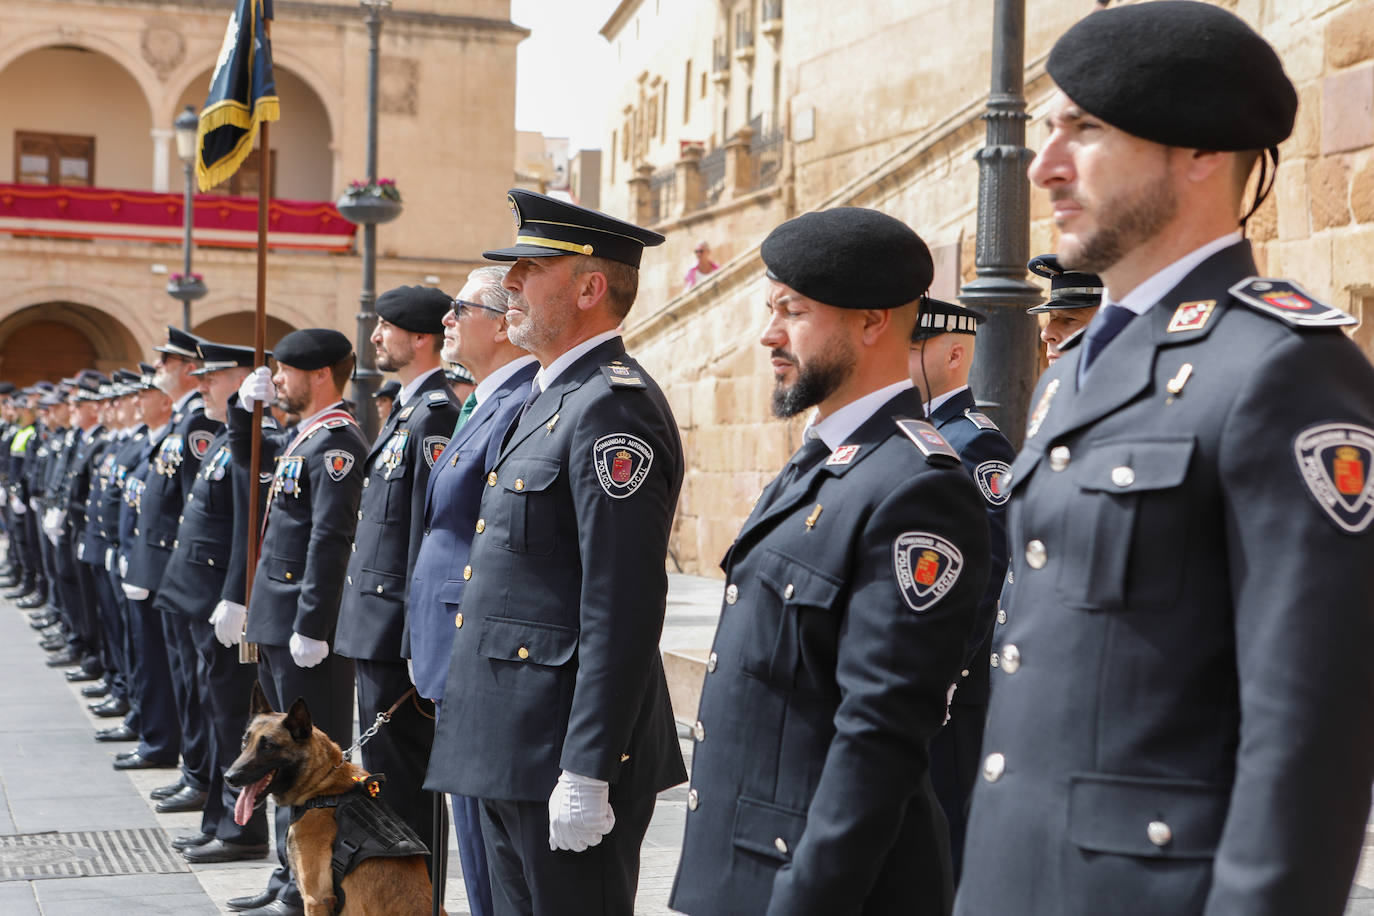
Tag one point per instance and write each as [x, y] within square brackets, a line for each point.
[410, 671]
[227, 619]
[307, 652]
[17, 506]
[109, 559]
[123, 566]
[133, 592]
[257, 386]
[33, 503]
[949, 698]
[579, 812]
[53, 522]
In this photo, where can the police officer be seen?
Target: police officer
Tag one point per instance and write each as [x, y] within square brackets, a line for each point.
[91, 541]
[942, 352]
[372, 612]
[556, 711]
[851, 590]
[311, 512]
[1074, 299]
[1177, 724]
[22, 448]
[88, 443]
[475, 334]
[385, 398]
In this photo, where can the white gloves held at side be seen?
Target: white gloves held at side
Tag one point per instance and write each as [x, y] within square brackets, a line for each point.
[133, 592]
[257, 386]
[227, 619]
[17, 506]
[307, 652]
[949, 698]
[579, 812]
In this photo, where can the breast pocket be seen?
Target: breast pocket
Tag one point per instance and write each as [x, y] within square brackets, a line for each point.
[1129, 494]
[792, 625]
[527, 511]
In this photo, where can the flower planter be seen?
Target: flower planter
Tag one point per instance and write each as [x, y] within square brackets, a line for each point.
[186, 290]
[368, 209]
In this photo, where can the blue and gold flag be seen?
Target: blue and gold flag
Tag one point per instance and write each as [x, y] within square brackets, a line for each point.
[242, 95]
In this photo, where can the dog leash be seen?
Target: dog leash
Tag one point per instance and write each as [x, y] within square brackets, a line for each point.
[382, 719]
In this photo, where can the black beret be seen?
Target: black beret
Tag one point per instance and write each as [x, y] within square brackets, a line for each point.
[217, 356]
[939, 317]
[1177, 72]
[1069, 289]
[180, 343]
[418, 309]
[389, 390]
[546, 228]
[312, 348]
[849, 257]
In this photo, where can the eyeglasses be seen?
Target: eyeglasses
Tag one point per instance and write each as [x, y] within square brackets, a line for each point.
[701, 251]
[462, 305]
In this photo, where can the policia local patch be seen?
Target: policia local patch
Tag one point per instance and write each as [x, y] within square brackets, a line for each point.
[622, 463]
[1334, 459]
[927, 566]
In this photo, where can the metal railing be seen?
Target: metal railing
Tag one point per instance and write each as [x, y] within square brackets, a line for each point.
[765, 153]
[711, 168]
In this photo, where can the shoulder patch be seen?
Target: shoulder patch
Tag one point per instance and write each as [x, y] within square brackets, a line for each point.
[926, 438]
[926, 566]
[337, 463]
[620, 375]
[992, 478]
[1290, 303]
[335, 423]
[1334, 460]
[199, 441]
[435, 398]
[979, 419]
[434, 447]
[622, 463]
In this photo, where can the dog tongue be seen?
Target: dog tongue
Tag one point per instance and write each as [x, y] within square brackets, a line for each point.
[243, 808]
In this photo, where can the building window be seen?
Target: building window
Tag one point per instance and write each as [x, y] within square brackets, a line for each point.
[687, 93]
[246, 181]
[703, 84]
[663, 121]
[57, 159]
[612, 156]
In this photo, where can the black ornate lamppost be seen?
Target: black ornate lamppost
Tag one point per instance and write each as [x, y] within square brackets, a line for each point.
[186, 287]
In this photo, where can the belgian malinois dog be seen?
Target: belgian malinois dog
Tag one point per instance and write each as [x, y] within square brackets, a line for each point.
[286, 757]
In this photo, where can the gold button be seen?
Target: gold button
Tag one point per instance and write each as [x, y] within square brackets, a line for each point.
[711, 661]
[379, 589]
[467, 572]
[491, 479]
[366, 481]
[964, 673]
[1159, 833]
[693, 799]
[699, 731]
[1011, 658]
[523, 652]
[624, 758]
[1001, 616]
[1059, 457]
[994, 765]
[519, 484]
[1036, 555]
[780, 845]
[995, 661]
[181, 519]
[731, 593]
[458, 620]
[789, 591]
[210, 561]
[288, 575]
[481, 525]
[1123, 476]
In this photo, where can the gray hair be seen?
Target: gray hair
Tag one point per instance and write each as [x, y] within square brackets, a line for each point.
[492, 294]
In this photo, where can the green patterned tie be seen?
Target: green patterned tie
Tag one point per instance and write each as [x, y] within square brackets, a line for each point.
[468, 407]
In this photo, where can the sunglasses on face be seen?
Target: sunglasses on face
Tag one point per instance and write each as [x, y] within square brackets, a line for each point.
[461, 306]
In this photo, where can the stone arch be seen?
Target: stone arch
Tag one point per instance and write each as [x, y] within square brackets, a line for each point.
[54, 338]
[147, 80]
[237, 328]
[223, 311]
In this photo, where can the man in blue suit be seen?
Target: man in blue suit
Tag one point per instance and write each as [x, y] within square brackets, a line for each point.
[474, 336]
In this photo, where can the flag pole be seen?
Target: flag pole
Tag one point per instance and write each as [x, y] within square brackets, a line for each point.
[248, 652]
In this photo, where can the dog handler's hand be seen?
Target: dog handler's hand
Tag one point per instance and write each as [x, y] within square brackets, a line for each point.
[579, 812]
[307, 652]
[227, 619]
[257, 386]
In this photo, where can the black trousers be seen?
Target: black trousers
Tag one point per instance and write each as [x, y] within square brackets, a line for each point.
[183, 659]
[400, 749]
[327, 690]
[227, 686]
[114, 631]
[954, 765]
[37, 560]
[528, 878]
[159, 729]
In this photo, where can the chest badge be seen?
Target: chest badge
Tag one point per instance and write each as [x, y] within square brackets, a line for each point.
[1191, 316]
[843, 455]
[814, 516]
[1334, 459]
[1042, 409]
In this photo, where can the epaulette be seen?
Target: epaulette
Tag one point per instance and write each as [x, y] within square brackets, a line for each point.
[620, 375]
[436, 398]
[979, 419]
[929, 441]
[1290, 303]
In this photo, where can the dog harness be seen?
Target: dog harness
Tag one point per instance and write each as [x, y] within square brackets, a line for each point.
[367, 828]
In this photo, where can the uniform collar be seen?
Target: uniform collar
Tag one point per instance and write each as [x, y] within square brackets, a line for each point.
[408, 390]
[1144, 296]
[938, 401]
[549, 374]
[498, 377]
[840, 425]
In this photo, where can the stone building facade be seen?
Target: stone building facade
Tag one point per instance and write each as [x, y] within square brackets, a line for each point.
[879, 104]
[90, 89]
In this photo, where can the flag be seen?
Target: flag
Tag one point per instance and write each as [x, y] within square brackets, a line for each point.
[242, 95]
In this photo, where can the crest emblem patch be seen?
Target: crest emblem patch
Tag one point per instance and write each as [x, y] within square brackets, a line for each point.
[199, 440]
[337, 463]
[1191, 316]
[1334, 459]
[992, 478]
[843, 455]
[927, 566]
[622, 463]
[434, 447]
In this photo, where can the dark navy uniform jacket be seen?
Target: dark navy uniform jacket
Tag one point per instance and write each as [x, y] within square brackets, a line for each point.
[850, 594]
[987, 456]
[311, 511]
[172, 468]
[83, 473]
[450, 515]
[555, 662]
[1181, 720]
[372, 614]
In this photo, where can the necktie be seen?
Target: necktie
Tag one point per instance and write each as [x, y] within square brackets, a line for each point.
[468, 407]
[804, 460]
[1107, 324]
[535, 392]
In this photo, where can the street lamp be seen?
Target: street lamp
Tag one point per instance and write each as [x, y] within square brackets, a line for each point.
[186, 287]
